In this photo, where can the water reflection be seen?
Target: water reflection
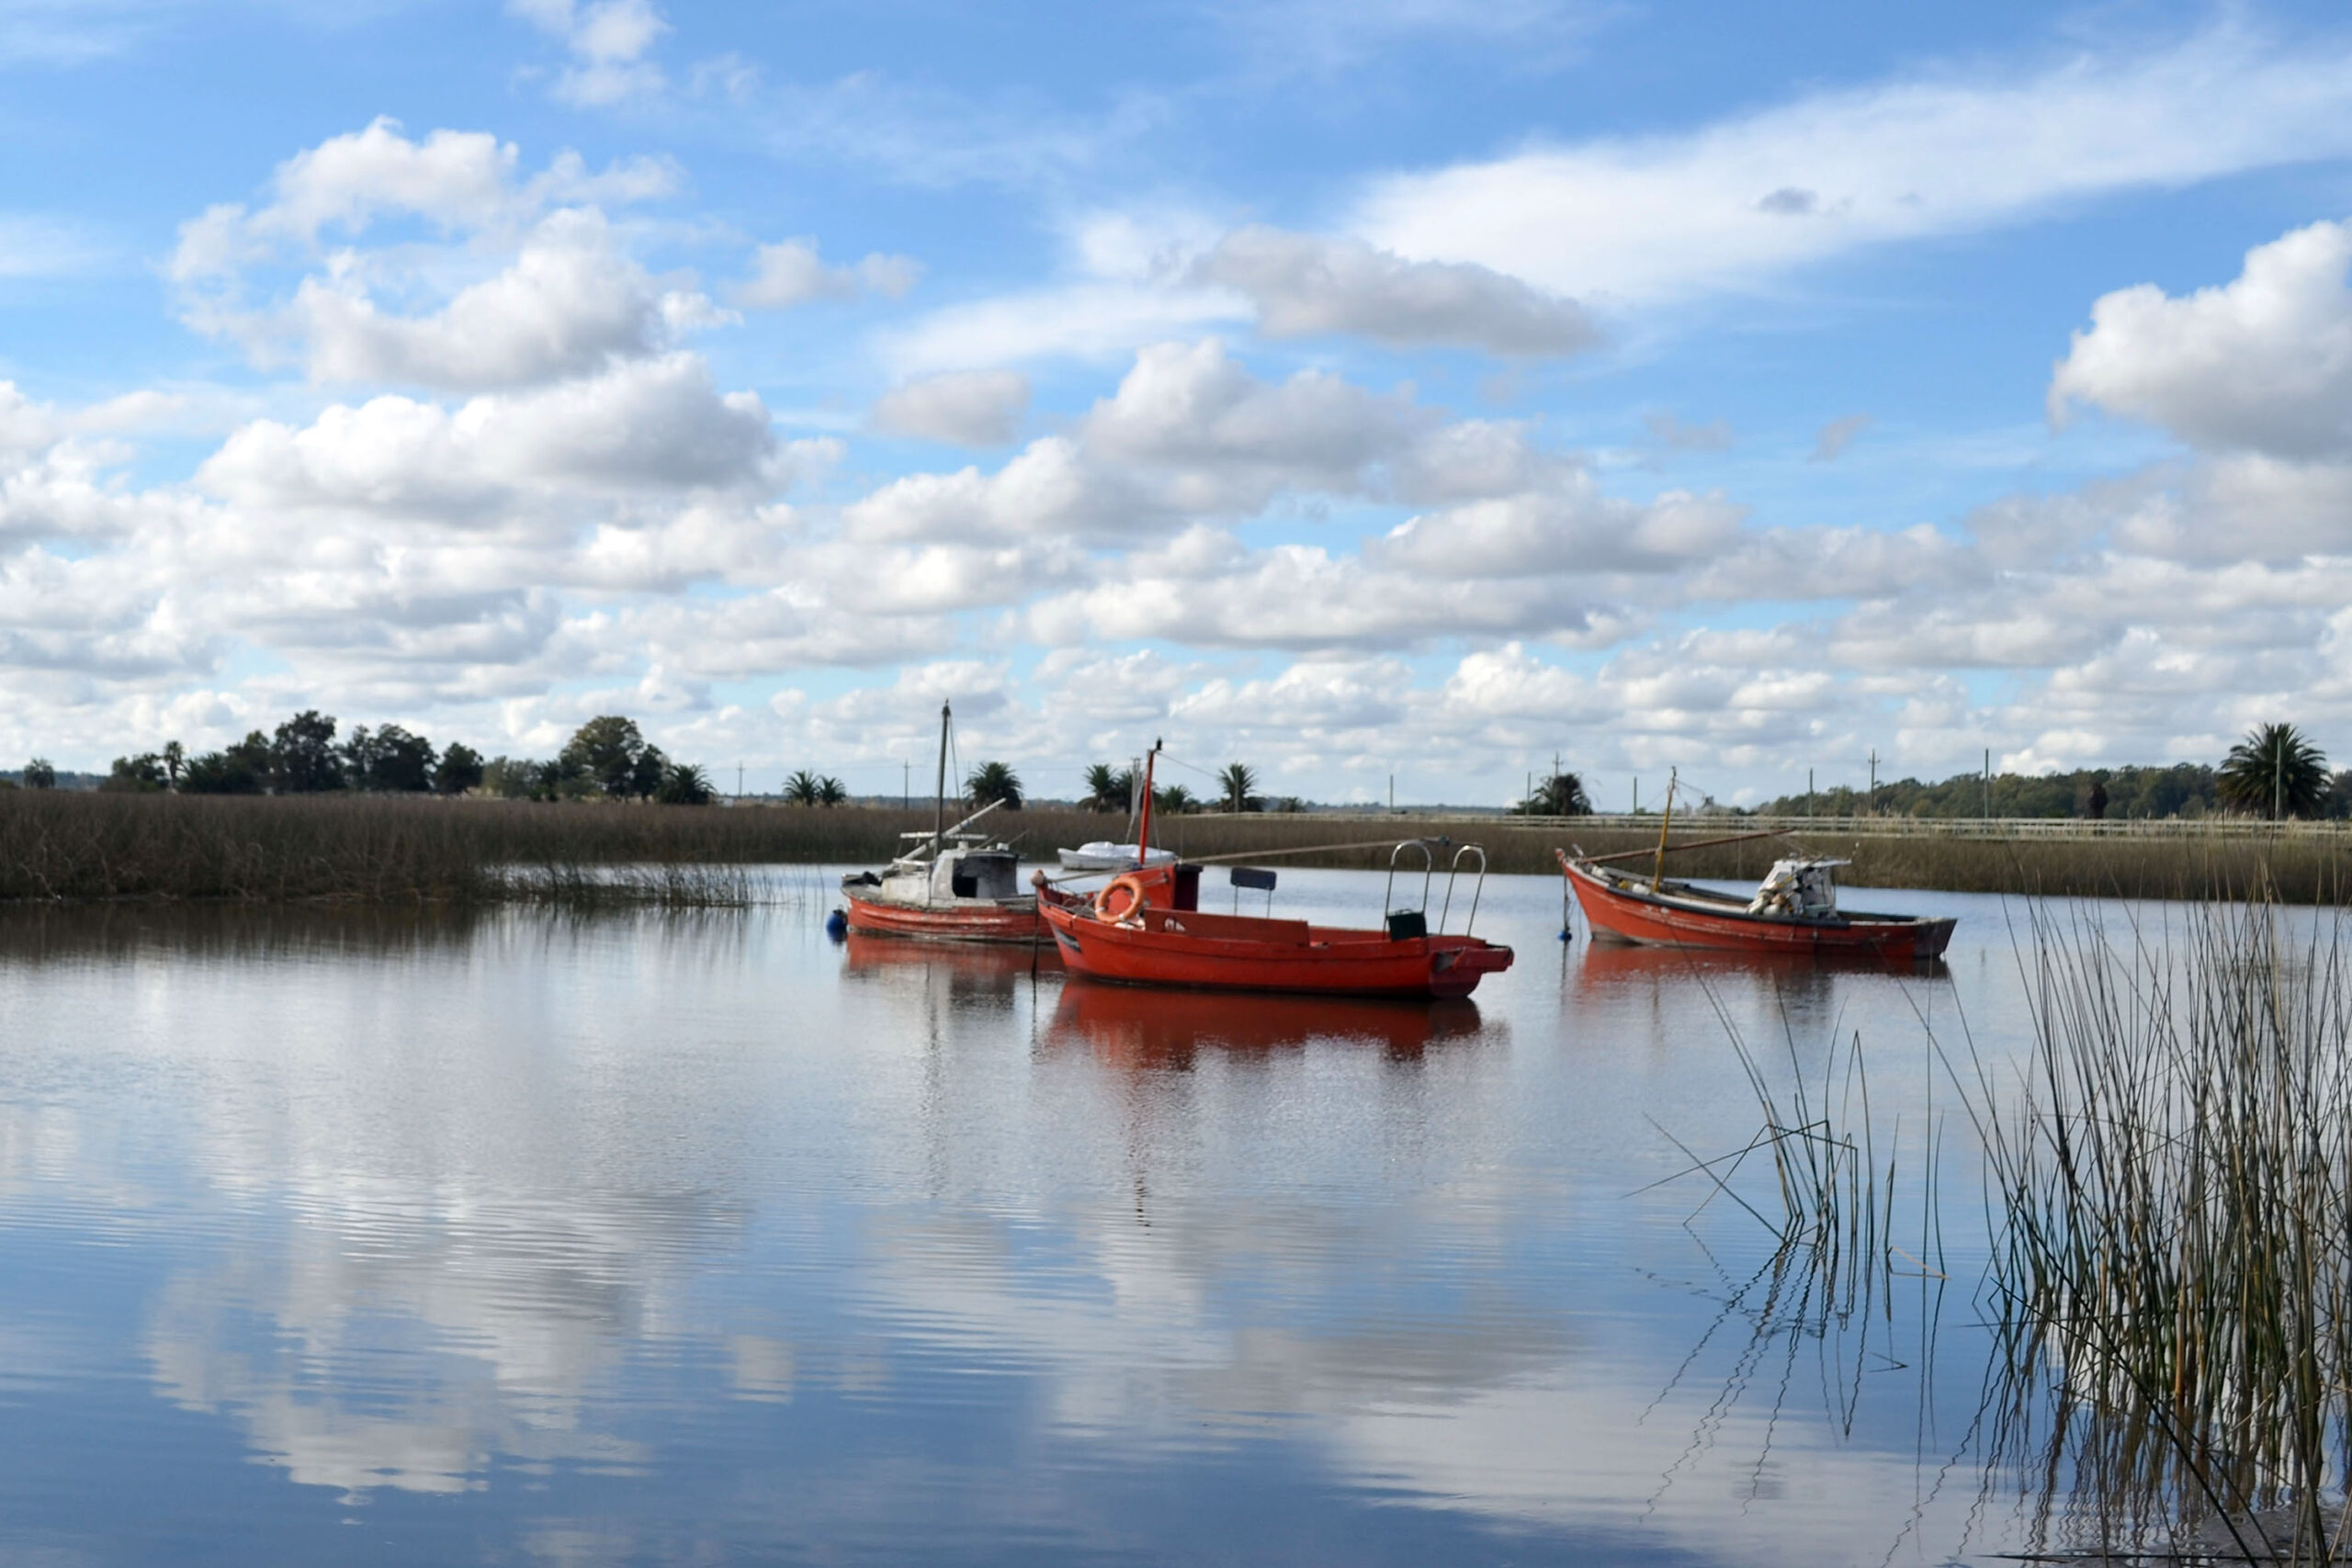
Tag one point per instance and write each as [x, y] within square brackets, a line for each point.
[666, 1237]
[1131, 1026]
[44, 933]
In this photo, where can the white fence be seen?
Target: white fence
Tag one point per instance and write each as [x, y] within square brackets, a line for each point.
[1952, 827]
[1710, 824]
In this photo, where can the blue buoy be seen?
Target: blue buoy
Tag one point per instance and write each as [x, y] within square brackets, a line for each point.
[837, 925]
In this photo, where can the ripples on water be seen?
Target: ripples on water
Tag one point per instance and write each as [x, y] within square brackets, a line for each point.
[658, 1237]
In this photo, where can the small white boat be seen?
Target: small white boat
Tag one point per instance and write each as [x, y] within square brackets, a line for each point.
[1104, 855]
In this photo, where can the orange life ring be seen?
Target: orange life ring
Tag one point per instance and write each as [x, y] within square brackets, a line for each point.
[1122, 899]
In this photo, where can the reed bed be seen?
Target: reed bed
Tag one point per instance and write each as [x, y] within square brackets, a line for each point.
[2174, 1264]
[61, 844]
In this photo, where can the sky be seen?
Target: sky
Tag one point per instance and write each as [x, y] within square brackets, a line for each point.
[1391, 389]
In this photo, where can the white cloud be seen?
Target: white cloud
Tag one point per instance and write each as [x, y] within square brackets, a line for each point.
[608, 40]
[1304, 286]
[2263, 363]
[654, 424]
[791, 273]
[1195, 409]
[1090, 320]
[1046, 491]
[464, 182]
[567, 304]
[1188, 433]
[1567, 528]
[964, 408]
[1665, 216]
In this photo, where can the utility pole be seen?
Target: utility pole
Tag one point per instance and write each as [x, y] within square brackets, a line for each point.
[1392, 795]
[739, 780]
[1808, 792]
[1637, 794]
[1873, 801]
[1988, 783]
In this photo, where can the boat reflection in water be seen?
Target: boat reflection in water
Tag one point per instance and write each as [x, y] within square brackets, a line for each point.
[1623, 983]
[973, 972]
[1133, 1026]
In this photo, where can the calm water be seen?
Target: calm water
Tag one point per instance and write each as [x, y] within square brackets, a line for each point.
[334, 1238]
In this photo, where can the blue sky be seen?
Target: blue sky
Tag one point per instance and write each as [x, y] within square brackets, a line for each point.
[1399, 386]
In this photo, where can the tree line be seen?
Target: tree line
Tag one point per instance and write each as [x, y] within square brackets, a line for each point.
[2275, 773]
[1110, 789]
[607, 759]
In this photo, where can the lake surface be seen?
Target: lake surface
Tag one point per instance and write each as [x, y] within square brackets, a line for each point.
[337, 1237]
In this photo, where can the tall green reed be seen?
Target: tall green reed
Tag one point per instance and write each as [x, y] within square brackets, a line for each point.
[2172, 1256]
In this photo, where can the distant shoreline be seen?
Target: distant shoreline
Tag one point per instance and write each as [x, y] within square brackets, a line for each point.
[71, 846]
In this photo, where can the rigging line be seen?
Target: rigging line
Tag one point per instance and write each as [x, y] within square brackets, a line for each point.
[1179, 761]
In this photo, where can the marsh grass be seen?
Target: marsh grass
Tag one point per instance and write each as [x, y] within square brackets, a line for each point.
[1835, 1203]
[56, 846]
[61, 844]
[2172, 1259]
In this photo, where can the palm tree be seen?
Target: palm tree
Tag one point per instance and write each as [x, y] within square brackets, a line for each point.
[2275, 772]
[1561, 794]
[994, 781]
[803, 788]
[830, 791]
[1173, 800]
[1107, 788]
[1241, 786]
[684, 783]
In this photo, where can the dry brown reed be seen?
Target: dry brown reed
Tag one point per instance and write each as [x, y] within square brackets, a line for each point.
[56, 846]
[61, 844]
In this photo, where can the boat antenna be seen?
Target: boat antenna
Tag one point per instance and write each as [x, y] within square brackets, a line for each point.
[939, 815]
[1143, 834]
[1657, 867]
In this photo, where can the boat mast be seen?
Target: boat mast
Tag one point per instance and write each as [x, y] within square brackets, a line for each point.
[1143, 834]
[1657, 867]
[939, 817]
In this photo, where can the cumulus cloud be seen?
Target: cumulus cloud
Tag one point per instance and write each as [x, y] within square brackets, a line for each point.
[963, 407]
[2262, 364]
[1732, 204]
[567, 304]
[1193, 405]
[559, 296]
[461, 181]
[1189, 433]
[1567, 528]
[791, 274]
[656, 424]
[1304, 285]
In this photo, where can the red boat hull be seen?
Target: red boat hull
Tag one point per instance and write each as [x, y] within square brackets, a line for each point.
[1196, 950]
[1674, 921]
[975, 921]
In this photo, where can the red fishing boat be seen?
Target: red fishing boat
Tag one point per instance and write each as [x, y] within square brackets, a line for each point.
[952, 884]
[1146, 928]
[1794, 911]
